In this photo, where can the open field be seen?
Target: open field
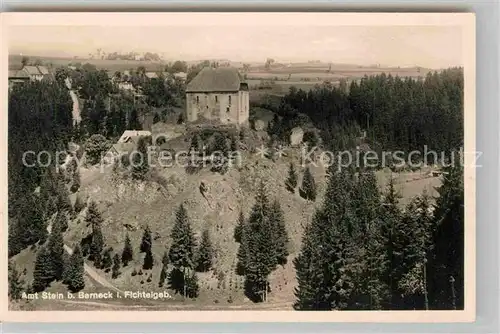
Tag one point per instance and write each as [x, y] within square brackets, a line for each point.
[304, 76]
[292, 72]
[102, 64]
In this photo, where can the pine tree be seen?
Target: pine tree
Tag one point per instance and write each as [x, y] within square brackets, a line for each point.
[374, 259]
[95, 148]
[128, 252]
[79, 204]
[74, 278]
[220, 145]
[391, 217]
[107, 260]
[372, 292]
[61, 221]
[260, 257]
[148, 260]
[95, 219]
[181, 252]
[313, 291]
[192, 287]
[133, 122]
[413, 234]
[165, 259]
[205, 253]
[326, 267]
[116, 266]
[146, 240]
[63, 202]
[15, 282]
[308, 187]
[196, 143]
[234, 144]
[181, 119]
[280, 235]
[291, 181]
[48, 190]
[163, 276]
[55, 247]
[76, 180]
[164, 269]
[238, 230]
[140, 165]
[242, 254]
[446, 259]
[43, 273]
[30, 226]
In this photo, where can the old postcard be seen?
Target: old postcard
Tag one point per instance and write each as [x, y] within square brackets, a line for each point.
[238, 167]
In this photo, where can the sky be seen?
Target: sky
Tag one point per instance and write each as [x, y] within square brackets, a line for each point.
[426, 46]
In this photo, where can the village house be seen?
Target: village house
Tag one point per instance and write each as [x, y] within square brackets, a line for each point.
[180, 76]
[218, 94]
[17, 77]
[126, 144]
[130, 135]
[27, 73]
[35, 73]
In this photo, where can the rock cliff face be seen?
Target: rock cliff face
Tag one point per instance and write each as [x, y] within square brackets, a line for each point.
[213, 201]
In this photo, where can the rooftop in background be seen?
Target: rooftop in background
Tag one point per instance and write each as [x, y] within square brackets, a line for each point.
[221, 79]
[132, 134]
[29, 71]
[36, 70]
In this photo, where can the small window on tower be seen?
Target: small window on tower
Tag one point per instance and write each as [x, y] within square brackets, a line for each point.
[197, 100]
[229, 99]
[216, 99]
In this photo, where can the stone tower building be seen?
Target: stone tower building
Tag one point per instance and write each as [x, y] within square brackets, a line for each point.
[218, 94]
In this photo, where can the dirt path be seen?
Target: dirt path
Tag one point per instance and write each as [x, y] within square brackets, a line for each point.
[76, 104]
[163, 306]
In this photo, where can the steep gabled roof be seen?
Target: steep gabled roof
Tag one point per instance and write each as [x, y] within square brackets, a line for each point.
[31, 70]
[43, 69]
[222, 79]
[130, 134]
[18, 74]
[123, 148]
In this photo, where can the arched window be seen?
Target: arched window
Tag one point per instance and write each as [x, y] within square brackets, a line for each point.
[197, 100]
[229, 99]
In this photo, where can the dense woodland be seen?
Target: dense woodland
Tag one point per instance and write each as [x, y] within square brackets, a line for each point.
[362, 252]
[397, 113]
[359, 251]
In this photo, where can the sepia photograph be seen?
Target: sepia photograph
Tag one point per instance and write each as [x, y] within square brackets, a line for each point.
[239, 162]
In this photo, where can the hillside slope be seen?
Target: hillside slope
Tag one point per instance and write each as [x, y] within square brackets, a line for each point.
[128, 207]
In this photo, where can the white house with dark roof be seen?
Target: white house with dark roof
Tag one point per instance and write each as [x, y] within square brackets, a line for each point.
[218, 94]
[126, 144]
[132, 135]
